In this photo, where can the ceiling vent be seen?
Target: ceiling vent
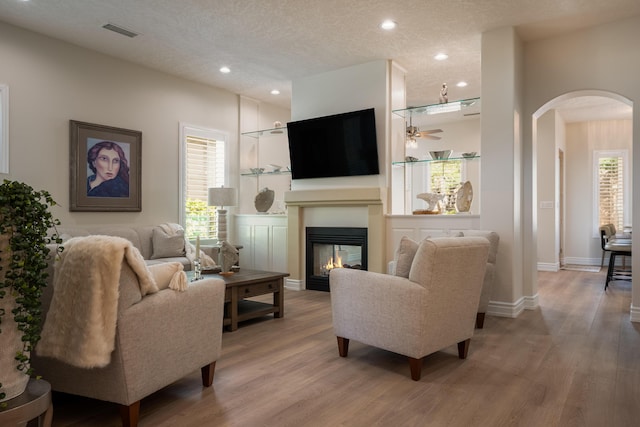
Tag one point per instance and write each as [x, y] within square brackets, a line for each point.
[120, 30]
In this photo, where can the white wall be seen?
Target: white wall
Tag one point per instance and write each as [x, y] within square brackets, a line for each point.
[548, 257]
[52, 82]
[604, 58]
[501, 175]
[340, 91]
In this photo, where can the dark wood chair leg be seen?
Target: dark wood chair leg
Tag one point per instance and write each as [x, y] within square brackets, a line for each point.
[612, 262]
[130, 414]
[207, 374]
[415, 365]
[479, 320]
[463, 348]
[343, 346]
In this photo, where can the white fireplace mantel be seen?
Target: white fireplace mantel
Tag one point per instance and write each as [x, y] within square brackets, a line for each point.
[370, 198]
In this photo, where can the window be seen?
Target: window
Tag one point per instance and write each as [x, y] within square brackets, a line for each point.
[611, 188]
[203, 163]
[445, 178]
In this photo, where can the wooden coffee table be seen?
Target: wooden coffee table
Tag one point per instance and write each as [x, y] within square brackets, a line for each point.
[250, 283]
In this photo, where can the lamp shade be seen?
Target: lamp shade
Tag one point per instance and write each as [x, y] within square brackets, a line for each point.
[222, 196]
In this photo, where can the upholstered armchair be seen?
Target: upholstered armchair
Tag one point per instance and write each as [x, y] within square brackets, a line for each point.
[161, 334]
[433, 308]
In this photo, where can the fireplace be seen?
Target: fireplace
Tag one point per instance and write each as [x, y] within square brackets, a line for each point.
[333, 247]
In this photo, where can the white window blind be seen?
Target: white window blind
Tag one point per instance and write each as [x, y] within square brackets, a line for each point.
[445, 178]
[204, 163]
[611, 189]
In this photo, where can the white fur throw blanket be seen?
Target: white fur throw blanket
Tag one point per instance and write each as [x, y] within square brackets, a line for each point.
[80, 327]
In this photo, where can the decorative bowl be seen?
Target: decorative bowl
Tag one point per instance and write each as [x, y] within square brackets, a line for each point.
[440, 155]
[469, 154]
[256, 171]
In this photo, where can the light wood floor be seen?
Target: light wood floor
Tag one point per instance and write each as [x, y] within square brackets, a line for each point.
[575, 361]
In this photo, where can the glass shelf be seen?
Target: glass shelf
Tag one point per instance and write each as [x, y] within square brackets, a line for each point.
[266, 132]
[433, 160]
[287, 172]
[453, 109]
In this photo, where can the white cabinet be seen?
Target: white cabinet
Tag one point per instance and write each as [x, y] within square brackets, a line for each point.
[264, 241]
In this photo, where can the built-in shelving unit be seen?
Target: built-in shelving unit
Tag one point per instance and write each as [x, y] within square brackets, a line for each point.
[267, 167]
[266, 132]
[285, 172]
[410, 175]
[439, 113]
[411, 162]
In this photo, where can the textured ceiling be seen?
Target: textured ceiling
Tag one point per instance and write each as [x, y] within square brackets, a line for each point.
[268, 43]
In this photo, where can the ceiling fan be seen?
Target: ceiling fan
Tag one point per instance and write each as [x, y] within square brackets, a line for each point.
[413, 132]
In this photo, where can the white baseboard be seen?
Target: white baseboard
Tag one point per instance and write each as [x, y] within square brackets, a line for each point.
[512, 309]
[294, 284]
[531, 303]
[585, 261]
[549, 266]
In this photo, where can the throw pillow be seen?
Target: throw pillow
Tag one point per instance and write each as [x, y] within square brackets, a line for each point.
[169, 275]
[404, 256]
[165, 245]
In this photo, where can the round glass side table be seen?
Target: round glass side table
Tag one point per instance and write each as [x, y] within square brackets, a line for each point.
[35, 402]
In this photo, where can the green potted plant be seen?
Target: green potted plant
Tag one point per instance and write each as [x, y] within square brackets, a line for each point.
[25, 221]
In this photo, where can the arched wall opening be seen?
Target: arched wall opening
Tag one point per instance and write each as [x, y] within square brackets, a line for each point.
[566, 132]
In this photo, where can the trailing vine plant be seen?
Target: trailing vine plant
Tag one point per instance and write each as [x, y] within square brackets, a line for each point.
[26, 219]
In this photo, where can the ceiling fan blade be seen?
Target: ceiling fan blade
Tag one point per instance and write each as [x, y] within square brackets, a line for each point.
[430, 131]
[432, 137]
[424, 134]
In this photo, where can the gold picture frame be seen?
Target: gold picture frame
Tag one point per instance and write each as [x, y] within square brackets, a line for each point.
[106, 165]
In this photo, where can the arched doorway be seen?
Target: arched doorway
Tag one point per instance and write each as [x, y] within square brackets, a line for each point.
[568, 132]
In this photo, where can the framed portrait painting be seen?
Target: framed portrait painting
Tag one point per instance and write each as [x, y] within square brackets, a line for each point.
[105, 164]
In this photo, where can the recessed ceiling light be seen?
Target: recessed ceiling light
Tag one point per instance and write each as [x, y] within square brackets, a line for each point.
[225, 70]
[388, 24]
[441, 57]
[461, 84]
[275, 92]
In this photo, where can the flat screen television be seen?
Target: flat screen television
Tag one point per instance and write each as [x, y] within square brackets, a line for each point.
[337, 145]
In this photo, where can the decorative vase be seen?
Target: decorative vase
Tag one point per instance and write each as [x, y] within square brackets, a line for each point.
[464, 197]
[14, 382]
[264, 200]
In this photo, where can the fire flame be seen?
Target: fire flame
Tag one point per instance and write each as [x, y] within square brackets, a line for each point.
[331, 265]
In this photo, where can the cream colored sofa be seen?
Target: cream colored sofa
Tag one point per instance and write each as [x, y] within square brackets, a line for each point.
[433, 308]
[489, 277]
[152, 243]
[160, 338]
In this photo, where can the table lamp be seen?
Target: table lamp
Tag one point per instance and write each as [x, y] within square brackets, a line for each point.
[221, 197]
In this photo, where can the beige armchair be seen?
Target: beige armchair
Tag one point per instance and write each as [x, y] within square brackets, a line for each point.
[432, 309]
[160, 337]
